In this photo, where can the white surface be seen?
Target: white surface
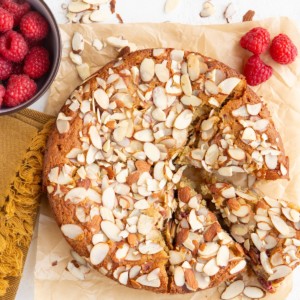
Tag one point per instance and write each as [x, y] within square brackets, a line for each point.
[188, 12]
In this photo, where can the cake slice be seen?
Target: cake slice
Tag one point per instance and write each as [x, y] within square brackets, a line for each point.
[268, 230]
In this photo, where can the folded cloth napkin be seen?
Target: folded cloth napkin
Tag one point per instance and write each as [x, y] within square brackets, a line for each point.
[23, 137]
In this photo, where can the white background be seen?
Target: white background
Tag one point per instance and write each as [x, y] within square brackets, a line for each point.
[187, 12]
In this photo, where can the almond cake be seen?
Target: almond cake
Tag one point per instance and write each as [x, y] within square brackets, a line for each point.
[117, 174]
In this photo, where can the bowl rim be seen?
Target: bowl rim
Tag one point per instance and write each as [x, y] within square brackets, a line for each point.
[52, 75]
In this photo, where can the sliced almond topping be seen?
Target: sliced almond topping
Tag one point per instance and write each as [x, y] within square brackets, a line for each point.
[211, 268]
[145, 135]
[62, 126]
[271, 161]
[240, 112]
[83, 71]
[194, 222]
[76, 272]
[122, 252]
[261, 125]
[123, 278]
[145, 224]
[108, 198]
[152, 152]
[111, 230]
[239, 229]
[153, 275]
[228, 85]
[283, 169]
[95, 137]
[117, 42]
[190, 279]
[77, 7]
[280, 225]
[254, 109]
[186, 85]
[160, 98]
[249, 134]
[71, 231]
[242, 211]
[77, 42]
[202, 280]
[237, 153]
[254, 292]
[150, 248]
[184, 119]
[134, 271]
[212, 154]
[239, 267]
[223, 256]
[264, 259]
[208, 9]
[191, 100]
[179, 276]
[193, 67]
[147, 69]
[171, 5]
[233, 290]
[162, 72]
[211, 88]
[101, 98]
[280, 272]
[228, 193]
[98, 253]
[76, 58]
[209, 249]
[175, 257]
[144, 281]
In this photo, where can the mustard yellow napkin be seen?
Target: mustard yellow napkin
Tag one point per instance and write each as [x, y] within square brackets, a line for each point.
[23, 138]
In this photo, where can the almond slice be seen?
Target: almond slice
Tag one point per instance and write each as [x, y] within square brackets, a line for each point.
[101, 98]
[223, 256]
[98, 253]
[208, 9]
[179, 276]
[162, 72]
[280, 225]
[237, 153]
[211, 268]
[264, 259]
[171, 5]
[77, 42]
[147, 69]
[239, 267]
[184, 119]
[228, 85]
[111, 230]
[77, 7]
[143, 281]
[254, 292]
[254, 109]
[271, 161]
[71, 231]
[145, 135]
[228, 193]
[160, 98]
[191, 100]
[280, 272]
[233, 290]
[186, 85]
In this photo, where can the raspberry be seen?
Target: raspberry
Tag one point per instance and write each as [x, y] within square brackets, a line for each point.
[20, 88]
[256, 40]
[37, 62]
[283, 50]
[6, 20]
[5, 68]
[34, 26]
[13, 46]
[2, 93]
[18, 8]
[256, 71]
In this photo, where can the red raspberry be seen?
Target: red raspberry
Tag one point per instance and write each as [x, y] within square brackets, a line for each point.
[283, 50]
[37, 62]
[256, 40]
[34, 26]
[18, 8]
[6, 20]
[256, 71]
[13, 46]
[5, 68]
[20, 88]
[2, 93]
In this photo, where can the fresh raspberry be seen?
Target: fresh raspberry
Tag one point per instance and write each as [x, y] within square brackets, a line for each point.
[2, 93]
[256, 71]
[18, 8]
[20, 88]
[283, 50]
[6, 20]
[34, 26]
[37, 62]
[256, 40]
[5, 68]
[13, 46]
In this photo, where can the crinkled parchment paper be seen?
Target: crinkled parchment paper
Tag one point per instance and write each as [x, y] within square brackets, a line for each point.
[281, 93]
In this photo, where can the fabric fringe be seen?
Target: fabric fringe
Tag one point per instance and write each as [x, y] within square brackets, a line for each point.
[18, 215]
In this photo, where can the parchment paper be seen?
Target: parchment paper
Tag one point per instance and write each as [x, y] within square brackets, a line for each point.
[218, 41]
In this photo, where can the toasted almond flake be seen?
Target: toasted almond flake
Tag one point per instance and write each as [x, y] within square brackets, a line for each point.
[150, 248]
[225, 171]
[264, 259]
[191, 100]
[98, 253]
[208, 9]
[228, 85]
[62, 126]
[117, 42]
[211, 268]
[134, 271]
[77, 7]
[141, 204]
[242, 211]
[143, 281]
[122, 252]
[158, 114]
[97, 44]
[108, 198]
[76, 58]
[228, 193]
[83, 71]
[186, 85]
[283, 169]
[179, 276]
[184, 119]
[237, 153]
[101, 98]
[254, 292]
[212, 154]
[276, 259]
[193, 67]
[152, 152]
[158, 173]
[271, 161]
[123, 278]
[175, 257]
[202, 280]
[100, 15]
[233, 290]
[76, 272]
[261, 125]
[223, 256]
[240, 112]
[280, 225]
[147, 69]
[239, 267]
[171, 5]
[194, 222]
[76, 195]
[239, 229]
[71, 231]
[145, 135]
[209, 249]
[95, 137]
[145, 224]
[111, 230]
[211, 88]
[249, 134]
[280, 272]
[254, 109]
[162, 72]
[160, 98]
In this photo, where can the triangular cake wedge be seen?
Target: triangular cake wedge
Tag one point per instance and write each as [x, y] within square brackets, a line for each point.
[268, 230]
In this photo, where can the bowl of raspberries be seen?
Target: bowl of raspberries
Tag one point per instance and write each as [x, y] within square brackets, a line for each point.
[30, 52]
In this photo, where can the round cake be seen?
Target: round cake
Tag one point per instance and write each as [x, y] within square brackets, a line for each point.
[132, 164]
